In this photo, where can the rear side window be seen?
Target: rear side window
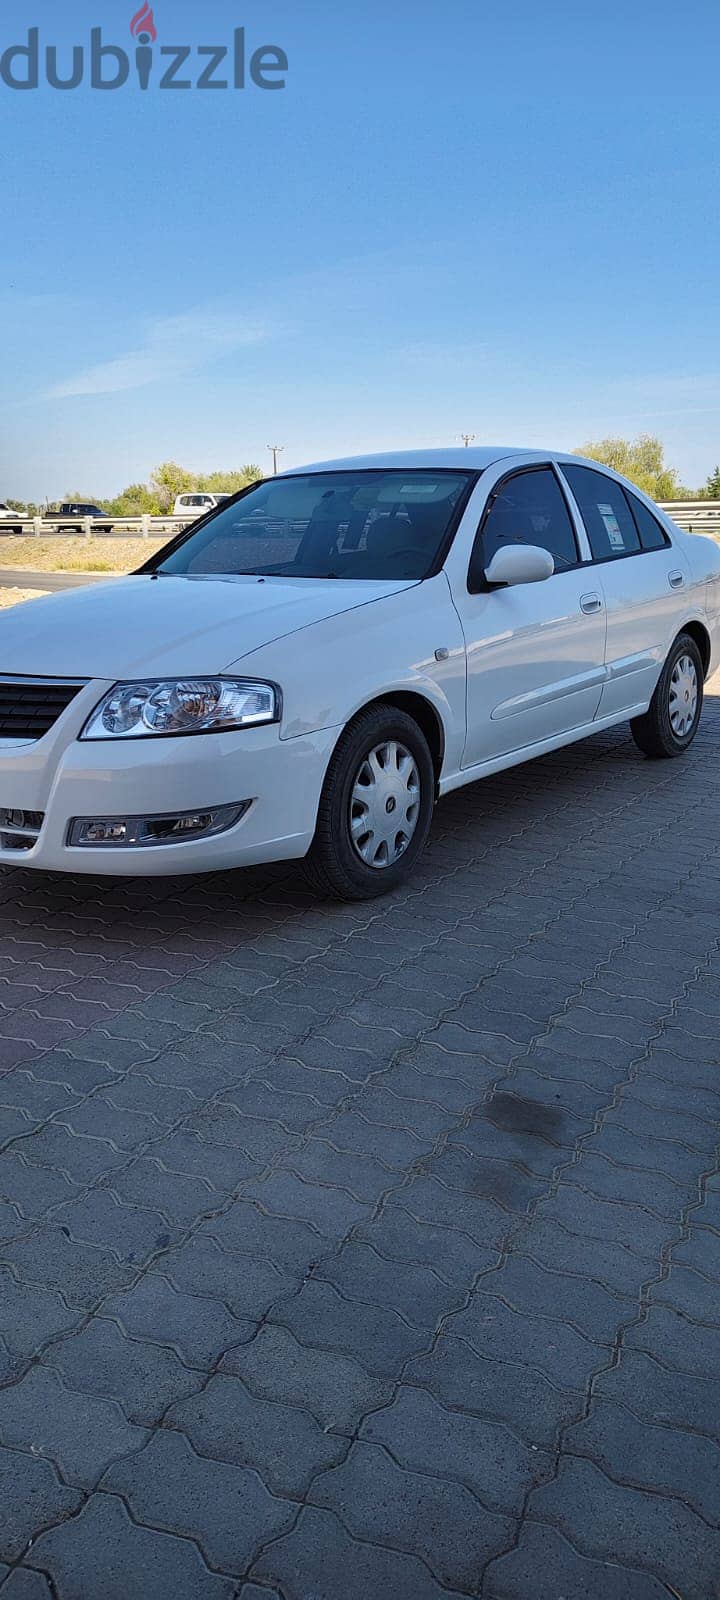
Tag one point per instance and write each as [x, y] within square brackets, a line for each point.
[652, 536]
[607, 516]
[529, 508]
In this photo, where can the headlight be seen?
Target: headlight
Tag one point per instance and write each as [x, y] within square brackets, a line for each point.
[182, 705]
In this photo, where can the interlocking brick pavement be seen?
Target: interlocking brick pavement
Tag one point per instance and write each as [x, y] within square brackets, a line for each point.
[373, 1252]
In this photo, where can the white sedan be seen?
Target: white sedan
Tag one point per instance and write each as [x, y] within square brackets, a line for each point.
[306, 670]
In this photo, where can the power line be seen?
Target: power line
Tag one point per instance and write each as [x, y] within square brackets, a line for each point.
[467, 439]
[276, 450]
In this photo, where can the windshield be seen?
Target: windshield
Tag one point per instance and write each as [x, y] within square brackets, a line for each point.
[376, 525]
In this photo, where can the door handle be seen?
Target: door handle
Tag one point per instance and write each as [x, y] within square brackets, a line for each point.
[590, 603]
[675, 580]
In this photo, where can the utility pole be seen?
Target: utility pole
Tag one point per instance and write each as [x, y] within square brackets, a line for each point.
[467, 439]
[276, 450]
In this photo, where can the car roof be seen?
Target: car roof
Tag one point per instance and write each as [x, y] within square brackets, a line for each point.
[472, 459]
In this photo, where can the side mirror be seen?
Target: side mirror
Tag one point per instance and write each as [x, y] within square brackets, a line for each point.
[519, 563]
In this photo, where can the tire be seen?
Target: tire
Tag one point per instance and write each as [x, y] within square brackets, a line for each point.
[672, 720]
[382, 757]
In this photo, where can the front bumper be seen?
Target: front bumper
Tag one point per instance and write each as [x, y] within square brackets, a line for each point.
[64, 779]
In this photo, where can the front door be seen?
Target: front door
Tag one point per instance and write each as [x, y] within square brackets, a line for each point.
[535, 651]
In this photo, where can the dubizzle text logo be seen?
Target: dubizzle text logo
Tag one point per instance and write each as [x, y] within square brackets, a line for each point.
[169, 66]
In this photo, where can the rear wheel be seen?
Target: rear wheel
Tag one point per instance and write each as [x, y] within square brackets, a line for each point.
[376, 807]
[672, 719]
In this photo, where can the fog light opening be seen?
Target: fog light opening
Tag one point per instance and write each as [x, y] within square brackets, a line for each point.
[168, 828]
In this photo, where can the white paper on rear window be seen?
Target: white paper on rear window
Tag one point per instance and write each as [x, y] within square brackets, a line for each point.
[612, 527]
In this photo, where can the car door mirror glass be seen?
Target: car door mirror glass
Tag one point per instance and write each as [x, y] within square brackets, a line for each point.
[519, 563]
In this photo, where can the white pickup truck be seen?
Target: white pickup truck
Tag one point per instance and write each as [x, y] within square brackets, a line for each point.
[9, 520]
[197, 504]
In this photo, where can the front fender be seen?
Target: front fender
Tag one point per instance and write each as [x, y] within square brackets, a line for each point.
[328, 671]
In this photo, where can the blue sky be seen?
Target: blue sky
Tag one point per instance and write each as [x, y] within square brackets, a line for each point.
[457, 216]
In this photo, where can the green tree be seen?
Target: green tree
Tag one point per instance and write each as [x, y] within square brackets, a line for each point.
[712, 487]
[642, 460]
[168, 481]
[27, 508]
[228, 482]
[135, 501]
[77, 498]
[157, 497]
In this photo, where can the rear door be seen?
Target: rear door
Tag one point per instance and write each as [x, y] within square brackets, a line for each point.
[642, 576]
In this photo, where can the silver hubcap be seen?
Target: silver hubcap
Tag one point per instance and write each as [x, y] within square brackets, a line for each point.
[683, 696]
[385, 804]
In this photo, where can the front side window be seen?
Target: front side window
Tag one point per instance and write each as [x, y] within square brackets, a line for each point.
[528, 508]
[607, 516]
[373, 525]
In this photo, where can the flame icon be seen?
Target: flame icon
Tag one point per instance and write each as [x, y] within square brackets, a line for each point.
[144, 23]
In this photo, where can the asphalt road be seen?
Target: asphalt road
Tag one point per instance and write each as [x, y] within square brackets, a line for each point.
[50, 582]
[372, 1252]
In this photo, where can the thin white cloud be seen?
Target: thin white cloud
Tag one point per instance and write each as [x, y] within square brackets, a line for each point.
[442, 358]
[174, 347]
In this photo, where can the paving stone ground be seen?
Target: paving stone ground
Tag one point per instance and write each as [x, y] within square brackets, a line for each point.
[373, 1252]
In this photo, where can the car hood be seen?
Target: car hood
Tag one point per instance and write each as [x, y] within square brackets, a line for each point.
[141, 626]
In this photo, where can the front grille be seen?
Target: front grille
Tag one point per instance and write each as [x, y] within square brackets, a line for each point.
[30, 706]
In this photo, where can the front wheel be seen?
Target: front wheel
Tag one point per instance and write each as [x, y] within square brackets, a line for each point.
[375, 809]
[673, 716]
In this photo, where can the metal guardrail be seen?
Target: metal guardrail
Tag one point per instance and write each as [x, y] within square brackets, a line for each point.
[93, 527]
[695, 516]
